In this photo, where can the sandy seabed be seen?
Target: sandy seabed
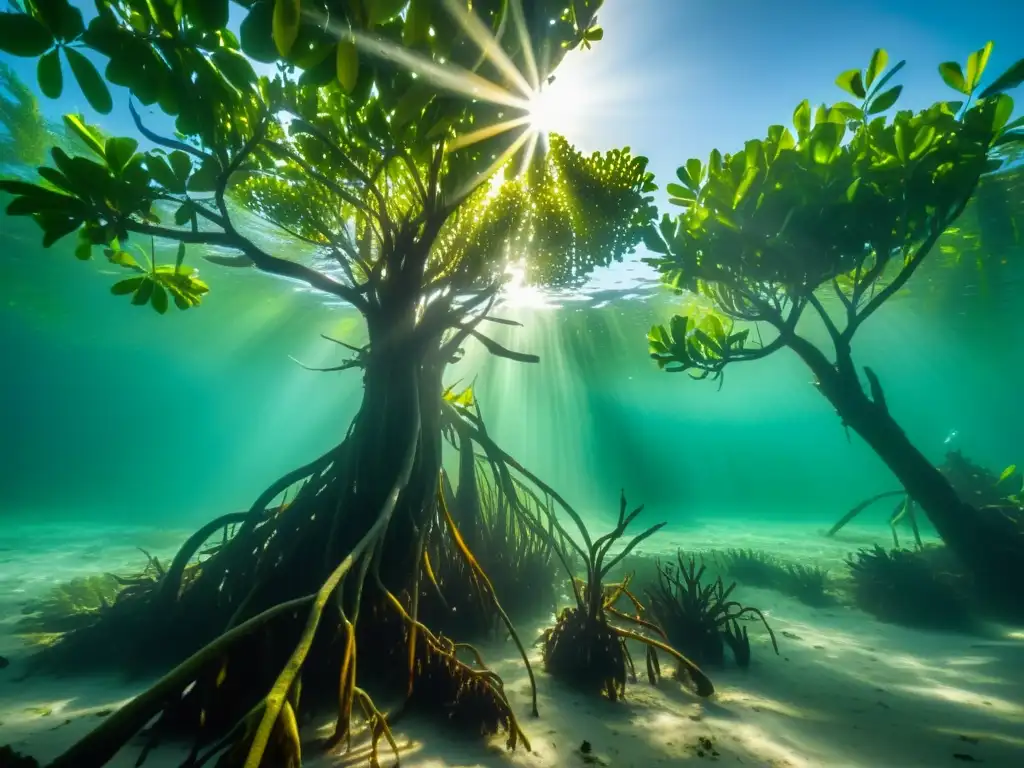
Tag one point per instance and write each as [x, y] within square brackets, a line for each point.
[846, 690]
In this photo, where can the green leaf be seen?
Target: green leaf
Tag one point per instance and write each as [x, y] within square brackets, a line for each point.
[852, 82]
[1008, 472]
[1010, 79]
[287, 18]
[381, 11]
[83, 251]
[257, 32]
[417, 23]
[129, 285]
[89, 137]
[90, 82]
[235, 67]
[144, 292]
[953, 76]
[180, 258]
[160, 170]
[695, 169]
[184, 214]
[889, 75]
[118, 151]
[22, 35]
[848, 110]
[159, 298]
[976, 64]
[205, 179]
[208, 14]
[923, 140]
[594, 34]
[181, 164]
[347, 64]
[49, 74]
[122, 259]
[679, 191]
[61, 18]
[878, 61]
[885, 100]
[1001, 112]
[802, 118]
[903, 143]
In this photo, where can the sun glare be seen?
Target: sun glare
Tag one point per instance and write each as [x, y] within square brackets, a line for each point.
[545, 113]
[557, 106]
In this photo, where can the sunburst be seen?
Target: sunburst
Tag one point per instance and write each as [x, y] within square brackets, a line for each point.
[542, 109]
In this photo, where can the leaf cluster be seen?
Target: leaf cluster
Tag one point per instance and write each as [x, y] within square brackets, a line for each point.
[345, 147]
[838, 200]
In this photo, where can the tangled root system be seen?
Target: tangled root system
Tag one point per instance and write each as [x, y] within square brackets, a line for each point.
[586, 653]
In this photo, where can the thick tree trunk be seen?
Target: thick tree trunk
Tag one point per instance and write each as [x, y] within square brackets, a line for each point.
[977, 540]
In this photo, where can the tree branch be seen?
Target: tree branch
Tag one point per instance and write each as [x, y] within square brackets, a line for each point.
[910, 266]
[262, 260]
[160, 140]
[830, 326]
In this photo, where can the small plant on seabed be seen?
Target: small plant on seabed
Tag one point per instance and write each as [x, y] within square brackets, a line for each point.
[751, 566]
[849, 204]
[807, 583]
[584, 647]
[917, 588]
[307, 146]
[810, 584]
[700, 619]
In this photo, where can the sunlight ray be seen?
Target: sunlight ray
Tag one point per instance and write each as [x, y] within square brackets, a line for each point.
[486, 132]
[449, 77]
[493, 168]
[535, 138]
[489, 46]
[526, 43]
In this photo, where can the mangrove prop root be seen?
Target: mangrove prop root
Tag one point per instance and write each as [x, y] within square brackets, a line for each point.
[475, 689]
[276, 699]
[171, 583]
[103, 742]
[489, 589]
[702, 682]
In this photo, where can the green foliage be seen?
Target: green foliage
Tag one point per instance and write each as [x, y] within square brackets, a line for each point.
[70, 604]
[852, 200]
[26, 135]
[44, 30]
[341, 148]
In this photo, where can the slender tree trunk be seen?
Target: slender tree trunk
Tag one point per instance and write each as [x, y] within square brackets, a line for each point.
[977, 540]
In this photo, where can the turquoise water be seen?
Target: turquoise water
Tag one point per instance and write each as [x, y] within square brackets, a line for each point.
[124, 430]
[169, 419]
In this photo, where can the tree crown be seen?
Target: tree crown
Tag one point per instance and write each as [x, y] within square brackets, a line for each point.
[391, 136]
[852, 200]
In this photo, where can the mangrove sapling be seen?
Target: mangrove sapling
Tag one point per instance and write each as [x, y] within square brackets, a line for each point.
[852, 205]
[699, 618]
[417, 198]
[584, 647]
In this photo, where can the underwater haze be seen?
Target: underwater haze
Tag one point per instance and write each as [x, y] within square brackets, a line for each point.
[867, 509]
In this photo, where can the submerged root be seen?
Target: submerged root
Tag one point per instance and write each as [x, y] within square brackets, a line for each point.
[472, 698]
[587, 653]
